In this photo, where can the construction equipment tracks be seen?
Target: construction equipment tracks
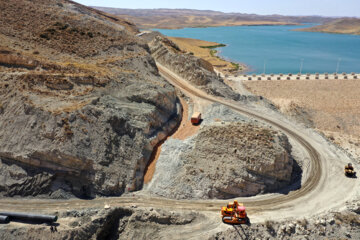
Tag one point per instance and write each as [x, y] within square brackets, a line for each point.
[315, 169]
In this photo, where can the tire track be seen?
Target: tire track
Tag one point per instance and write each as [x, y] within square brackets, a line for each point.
[315, 166]
[269, 203]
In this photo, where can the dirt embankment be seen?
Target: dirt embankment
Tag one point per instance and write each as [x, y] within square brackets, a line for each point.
[81, 102]
[330, 106]
[196, 70]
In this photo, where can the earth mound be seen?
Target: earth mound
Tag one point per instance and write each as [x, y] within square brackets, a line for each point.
[224, 160]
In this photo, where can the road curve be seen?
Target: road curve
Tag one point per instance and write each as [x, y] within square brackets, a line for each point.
[314, 190]
[315, 169]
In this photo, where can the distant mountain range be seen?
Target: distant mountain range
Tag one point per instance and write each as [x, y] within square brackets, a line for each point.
[180, 18]
[343, 25]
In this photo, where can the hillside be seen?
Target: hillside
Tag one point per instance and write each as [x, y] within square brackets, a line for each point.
[342, 26]
[207, 51]
[181, 18]
[81, 101]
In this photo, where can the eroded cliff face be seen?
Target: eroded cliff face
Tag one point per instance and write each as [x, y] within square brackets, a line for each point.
[195, 70]
[81, 102]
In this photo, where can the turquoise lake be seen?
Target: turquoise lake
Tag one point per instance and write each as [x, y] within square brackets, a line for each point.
[277, 49]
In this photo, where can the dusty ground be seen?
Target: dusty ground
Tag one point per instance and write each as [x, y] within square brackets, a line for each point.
[331, 105]
[322, 169]
[185, 130]
[196, 47]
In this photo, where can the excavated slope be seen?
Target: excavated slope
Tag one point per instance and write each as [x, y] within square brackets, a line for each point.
[81, 101]
[196, 70]
[224, 160]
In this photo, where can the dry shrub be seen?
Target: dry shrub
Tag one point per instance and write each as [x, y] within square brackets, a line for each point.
[303, 222]
[269, 225]
[16, 61]
[351, 219]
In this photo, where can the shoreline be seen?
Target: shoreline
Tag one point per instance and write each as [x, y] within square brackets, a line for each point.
[209, 51]
[250, 24]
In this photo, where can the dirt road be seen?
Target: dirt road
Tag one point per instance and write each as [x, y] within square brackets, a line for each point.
[323, 185]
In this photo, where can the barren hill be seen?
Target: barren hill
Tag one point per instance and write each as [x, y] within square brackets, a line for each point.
[180, 18]
[343, 25]
[81, 102]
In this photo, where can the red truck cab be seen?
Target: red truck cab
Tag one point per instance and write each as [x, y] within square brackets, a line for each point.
[195, 118]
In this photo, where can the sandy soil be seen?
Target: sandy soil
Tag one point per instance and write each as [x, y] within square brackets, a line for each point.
[332, 105]
[195, 46]
[186, 128]
[149, 172]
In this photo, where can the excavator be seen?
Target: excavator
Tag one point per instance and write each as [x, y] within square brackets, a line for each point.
[234, 214]
[349, 170]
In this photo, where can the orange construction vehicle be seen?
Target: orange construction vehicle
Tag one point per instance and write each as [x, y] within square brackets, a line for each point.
[196, 118]
[234, 214]
[349, 170]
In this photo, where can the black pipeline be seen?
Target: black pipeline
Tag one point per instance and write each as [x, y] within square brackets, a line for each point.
[17, 216]
[4, 219]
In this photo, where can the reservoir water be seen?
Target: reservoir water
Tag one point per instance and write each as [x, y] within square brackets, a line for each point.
[277, 49]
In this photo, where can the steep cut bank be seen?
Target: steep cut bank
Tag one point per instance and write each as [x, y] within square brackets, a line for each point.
[81, 102]
[196, 70]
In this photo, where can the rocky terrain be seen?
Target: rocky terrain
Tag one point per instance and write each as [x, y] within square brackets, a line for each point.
[110, 223]
[81, 101]
[82, 108]
[196, 70]
[152, 223]
[230, 156]
[335, 225]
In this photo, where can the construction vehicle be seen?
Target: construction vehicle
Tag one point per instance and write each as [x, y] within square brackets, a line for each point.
[234, 214]
[349, 170]
[196, 118]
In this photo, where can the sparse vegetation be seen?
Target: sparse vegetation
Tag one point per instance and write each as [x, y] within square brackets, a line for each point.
[1, 108]
[348, 218]
[236, 66]
[174, 19]
[16, 61]
[270, 226]
[213, 53]
[341, 26]
[207, 51]
[214, 46]
[303, 222]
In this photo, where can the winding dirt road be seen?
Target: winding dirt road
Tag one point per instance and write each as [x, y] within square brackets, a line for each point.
[323, 185]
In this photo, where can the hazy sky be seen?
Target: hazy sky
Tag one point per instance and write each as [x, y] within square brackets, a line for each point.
[284, 7]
